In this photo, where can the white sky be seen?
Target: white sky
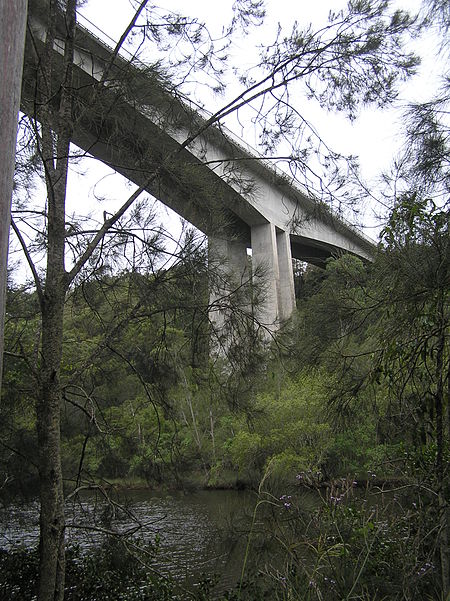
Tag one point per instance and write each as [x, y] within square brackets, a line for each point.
[375, 136]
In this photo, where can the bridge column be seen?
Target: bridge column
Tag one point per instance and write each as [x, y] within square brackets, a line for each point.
[229, 270]
[286, 290]
[265, 263]
[238, 261]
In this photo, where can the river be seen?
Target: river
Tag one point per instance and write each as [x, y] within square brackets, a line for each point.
[200, 533]
[204, 533]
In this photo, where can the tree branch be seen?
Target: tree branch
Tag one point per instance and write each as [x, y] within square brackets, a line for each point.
[119, 44]
[29, 261]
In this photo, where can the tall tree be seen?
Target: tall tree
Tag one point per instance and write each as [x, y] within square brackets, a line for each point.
[417, 270]
[414, 281]
[358, 58]
[12, 32]
[55, 151]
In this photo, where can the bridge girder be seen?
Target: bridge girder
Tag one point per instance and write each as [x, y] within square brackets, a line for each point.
[137, 127]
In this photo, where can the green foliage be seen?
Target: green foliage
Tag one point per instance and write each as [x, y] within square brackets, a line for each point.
[350, 543]
[292, 431]
[360, 386]
[18, 448]
[140, 408]
[18, 575]
[245, 451]
[110, 572]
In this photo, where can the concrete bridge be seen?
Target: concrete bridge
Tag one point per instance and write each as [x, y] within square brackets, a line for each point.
[218, 183]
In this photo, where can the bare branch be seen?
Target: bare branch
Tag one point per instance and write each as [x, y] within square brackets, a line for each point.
[29, 261]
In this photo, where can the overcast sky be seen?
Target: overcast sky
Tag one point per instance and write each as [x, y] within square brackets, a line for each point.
[374, 136]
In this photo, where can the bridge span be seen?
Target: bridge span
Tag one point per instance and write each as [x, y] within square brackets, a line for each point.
[219, 184]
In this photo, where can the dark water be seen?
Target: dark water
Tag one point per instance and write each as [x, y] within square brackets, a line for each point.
[201, 533]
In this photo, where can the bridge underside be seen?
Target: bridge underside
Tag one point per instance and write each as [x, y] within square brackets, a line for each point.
[136, 127]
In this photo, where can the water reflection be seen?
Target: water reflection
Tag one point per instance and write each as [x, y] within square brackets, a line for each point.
[198, 533]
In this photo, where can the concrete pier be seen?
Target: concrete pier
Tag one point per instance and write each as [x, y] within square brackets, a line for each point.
[266, 274]
[230, 279]
[286, 291]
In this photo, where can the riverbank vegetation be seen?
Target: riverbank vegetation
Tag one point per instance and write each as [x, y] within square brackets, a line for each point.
[351, 400]
[116, 373]
[330, 397]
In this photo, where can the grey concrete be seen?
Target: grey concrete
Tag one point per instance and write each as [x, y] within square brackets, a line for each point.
[230, 279]
[266, 274]
[286, 291]
[216, 181]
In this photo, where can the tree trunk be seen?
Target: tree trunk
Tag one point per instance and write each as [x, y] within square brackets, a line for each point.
[440, 440]
[213, 440]
[51, 545]
[13, 17]
[55, 155]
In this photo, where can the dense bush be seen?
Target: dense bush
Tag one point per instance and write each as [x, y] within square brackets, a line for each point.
[108, 573]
